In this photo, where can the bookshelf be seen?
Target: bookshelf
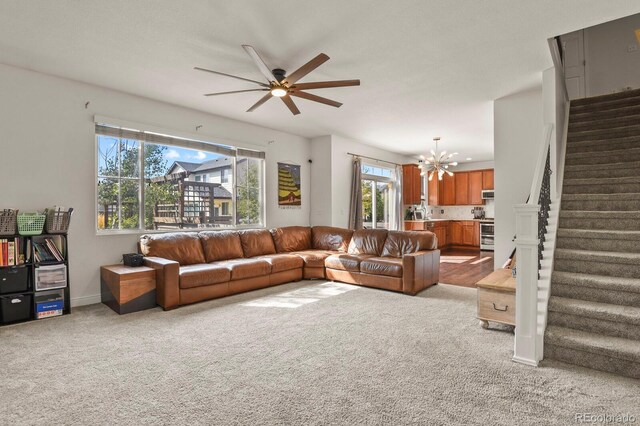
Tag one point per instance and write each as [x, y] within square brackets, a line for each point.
[45, 267]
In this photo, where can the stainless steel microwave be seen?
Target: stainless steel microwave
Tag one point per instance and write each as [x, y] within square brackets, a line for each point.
[487, 194]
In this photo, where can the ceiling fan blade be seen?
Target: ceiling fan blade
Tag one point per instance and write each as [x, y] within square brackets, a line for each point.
[306, 68]
[326, 84]
[260, 102]
[289, 103]
[315, 98]
[232, 76]
[236, 91]
[264, 69]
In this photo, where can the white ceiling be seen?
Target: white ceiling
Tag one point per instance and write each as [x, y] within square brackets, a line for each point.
[428, 68]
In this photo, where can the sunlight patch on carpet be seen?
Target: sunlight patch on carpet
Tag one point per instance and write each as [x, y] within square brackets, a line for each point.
[302, 296]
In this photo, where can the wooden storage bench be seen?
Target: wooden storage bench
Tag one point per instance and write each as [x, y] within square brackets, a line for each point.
[497, 298]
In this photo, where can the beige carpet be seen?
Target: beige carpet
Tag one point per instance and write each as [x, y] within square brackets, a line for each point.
[305, 353]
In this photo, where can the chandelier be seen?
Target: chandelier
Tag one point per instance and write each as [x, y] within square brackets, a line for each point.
[438, 163]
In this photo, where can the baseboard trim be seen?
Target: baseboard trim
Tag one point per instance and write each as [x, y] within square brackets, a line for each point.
[85, 300]
[525, 361]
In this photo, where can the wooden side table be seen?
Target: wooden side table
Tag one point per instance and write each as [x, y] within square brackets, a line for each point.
[128, 289]
[497, 298]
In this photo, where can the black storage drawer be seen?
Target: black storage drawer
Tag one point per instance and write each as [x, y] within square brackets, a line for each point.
[15, 308]
[14, 279]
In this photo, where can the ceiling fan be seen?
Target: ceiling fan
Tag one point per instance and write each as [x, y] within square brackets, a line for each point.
[285, 86]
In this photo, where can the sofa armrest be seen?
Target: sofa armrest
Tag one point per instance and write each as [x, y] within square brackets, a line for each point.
[167, 281]
[420, 270]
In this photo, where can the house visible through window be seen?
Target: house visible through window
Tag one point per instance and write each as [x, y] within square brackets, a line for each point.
[377, 183]
[146, 185]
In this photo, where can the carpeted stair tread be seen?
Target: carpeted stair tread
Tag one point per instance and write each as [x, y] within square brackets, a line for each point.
[614, 347]
[625, 94]
[599, 256]
[630, 285]
[585, 168]
[593, 134]
[612, 153]
[600, 145]
[602, 185]
[623, 111]
[596, 214]
[603, 181]
[595, 310]
[604, 123]
[599, 240]
[599, 234]
[603, 170]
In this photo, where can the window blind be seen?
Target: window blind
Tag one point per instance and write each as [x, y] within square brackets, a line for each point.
[120, 132]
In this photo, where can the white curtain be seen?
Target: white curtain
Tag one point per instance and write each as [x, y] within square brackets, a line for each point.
[396, 219]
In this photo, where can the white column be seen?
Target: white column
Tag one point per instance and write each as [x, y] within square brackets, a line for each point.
[527, 241]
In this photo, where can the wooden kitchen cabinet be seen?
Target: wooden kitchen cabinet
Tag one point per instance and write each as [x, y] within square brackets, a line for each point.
[440, 229]
[414, 226]
[461, 189]
[487, 179]
[461, 180]
[411, 184]
[455, 233]
[468, 234]
[476, 234]
[475, 188]
[434, 192]
[448, 196]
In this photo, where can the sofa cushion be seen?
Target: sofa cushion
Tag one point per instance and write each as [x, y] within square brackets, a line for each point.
[345, 262]
[182, 247]
[368, 241]
[330, 238]
[246, 268]
[221, 245]
[282, 262]
[291, 238]
[314, 258]
[256, 242]
[387, 266]
[399, 243]
[203, 274]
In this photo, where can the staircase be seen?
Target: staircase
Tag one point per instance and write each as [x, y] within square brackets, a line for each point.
[594, 308]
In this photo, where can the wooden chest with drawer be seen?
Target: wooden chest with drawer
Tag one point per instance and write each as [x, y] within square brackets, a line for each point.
[497, 298]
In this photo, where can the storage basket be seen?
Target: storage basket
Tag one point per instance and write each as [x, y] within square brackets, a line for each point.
[58, 221]
[31, 223]
[8, 221]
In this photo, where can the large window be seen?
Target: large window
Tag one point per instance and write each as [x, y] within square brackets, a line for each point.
[147, 181]
[377, 188]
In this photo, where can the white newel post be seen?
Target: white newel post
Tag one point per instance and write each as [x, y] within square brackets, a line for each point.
[526, 284]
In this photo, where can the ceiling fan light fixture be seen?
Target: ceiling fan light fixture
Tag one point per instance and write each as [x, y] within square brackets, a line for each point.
[278, 92]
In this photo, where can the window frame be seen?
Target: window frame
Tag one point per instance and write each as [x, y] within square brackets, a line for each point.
[141, 192]
[375, 179]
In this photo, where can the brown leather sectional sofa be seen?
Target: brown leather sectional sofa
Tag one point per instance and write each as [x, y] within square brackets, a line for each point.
[195, 266]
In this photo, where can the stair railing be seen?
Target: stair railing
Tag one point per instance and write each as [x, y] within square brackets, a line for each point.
[531, 227]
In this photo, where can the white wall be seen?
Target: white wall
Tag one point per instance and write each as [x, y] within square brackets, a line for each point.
[612, 56]
[321, 177]
[518, 134]
[47, 157]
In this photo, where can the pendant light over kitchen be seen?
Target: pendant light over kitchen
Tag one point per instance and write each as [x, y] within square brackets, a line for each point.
[437, 163]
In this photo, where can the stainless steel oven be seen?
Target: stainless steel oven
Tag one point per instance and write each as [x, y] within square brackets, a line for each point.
[486, 235]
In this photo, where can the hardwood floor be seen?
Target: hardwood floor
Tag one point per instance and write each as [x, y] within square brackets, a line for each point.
[465, 267]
